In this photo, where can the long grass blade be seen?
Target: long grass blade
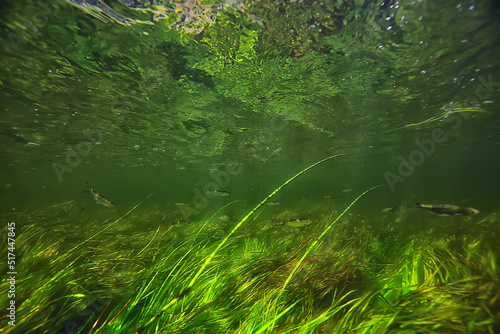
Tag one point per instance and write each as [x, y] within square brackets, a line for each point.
[221, 244]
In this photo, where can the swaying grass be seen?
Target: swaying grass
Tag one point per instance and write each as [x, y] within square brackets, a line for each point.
[441, 116]
[340, 274]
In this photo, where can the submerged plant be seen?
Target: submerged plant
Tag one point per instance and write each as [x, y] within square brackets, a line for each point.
[369, 276]
[223, 242]
[443, 115]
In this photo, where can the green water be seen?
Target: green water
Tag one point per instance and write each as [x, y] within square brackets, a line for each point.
[241, 96]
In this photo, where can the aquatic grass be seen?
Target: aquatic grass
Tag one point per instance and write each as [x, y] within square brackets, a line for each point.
[318, 239]
[322, 320]
[440, 292]
[178, 271]
[348, 283]
[424, 263]
[288, 317]
[276, 302]
[203, 293]
[53, 282]
[454, 307]
[269, 323]
[58, 274]
[222, 243]
[439, 117]
[321, 278]
[164, 281]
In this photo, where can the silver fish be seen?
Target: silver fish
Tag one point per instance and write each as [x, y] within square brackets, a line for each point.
[297, 222]
[398, 208]
[100, 199]
[448, 209]
[214, 193]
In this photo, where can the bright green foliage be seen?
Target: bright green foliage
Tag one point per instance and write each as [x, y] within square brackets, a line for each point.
[107, 276]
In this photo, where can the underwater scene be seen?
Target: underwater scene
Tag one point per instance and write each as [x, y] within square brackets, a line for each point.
[253, 166]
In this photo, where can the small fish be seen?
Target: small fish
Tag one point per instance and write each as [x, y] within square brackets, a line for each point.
[448, 209]
[224, 218]
[397, 208]
[273, 151]
[214, 193]
[100, 199]
[297, 222]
